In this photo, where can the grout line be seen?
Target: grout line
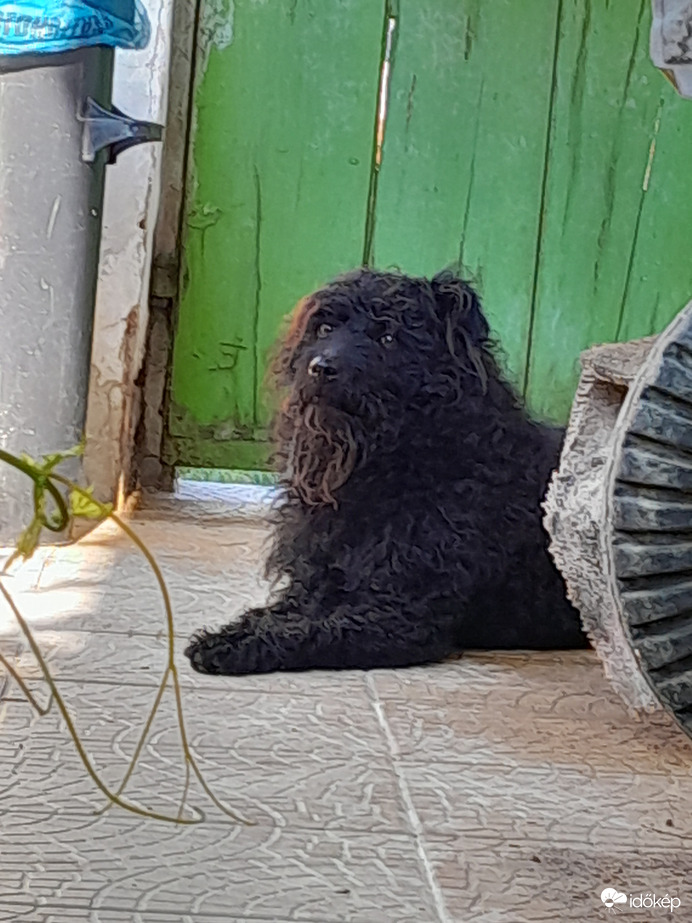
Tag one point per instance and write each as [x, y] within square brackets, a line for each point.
[83, 814]
[187, 683]
[414, 820]
[133, 913]
[528, 842]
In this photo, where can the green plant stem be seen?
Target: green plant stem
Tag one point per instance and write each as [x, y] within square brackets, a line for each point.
[86, 762]
[170, 671]
[41, 709]
[41, 480]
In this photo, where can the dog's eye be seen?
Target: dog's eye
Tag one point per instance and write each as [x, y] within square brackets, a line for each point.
[324, 330]
[386, 339]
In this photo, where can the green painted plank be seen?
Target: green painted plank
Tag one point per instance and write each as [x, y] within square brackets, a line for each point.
[278, 186]
[660, 279]
[607, 97]
[465, 147]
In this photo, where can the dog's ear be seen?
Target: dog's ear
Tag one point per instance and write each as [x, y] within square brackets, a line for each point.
[458, 306]
[465, 328]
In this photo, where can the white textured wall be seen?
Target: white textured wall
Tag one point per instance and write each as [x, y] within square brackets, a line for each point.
[131, 202]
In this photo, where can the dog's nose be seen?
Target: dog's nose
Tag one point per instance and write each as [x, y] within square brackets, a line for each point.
[322, 367]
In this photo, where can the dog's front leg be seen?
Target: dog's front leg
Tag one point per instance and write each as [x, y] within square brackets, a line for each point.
[349, 635]
[258, 642]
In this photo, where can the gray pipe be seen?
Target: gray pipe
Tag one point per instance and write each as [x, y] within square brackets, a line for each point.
[50, 224]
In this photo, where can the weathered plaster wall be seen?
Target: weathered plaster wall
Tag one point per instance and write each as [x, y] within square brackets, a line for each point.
[140, 89]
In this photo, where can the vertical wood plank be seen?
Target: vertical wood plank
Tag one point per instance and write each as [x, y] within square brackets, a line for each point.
[659, 282]
[607, 99]
[277, 195]
[465, 147]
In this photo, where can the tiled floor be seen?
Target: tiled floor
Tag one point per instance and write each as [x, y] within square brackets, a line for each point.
[493, 788]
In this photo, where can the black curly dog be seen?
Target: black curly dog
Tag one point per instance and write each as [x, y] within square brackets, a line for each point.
[413, 477]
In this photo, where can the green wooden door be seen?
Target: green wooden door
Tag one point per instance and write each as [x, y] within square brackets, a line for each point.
[535, 142]
[277, 200]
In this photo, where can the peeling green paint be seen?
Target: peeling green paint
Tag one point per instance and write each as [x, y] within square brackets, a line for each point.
[215, 28]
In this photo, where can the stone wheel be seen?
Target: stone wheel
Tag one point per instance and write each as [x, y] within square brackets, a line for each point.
[648, 518]
[619, 515]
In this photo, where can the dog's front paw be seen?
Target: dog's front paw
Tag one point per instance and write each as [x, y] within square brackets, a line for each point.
[238, 648]
[201, 652]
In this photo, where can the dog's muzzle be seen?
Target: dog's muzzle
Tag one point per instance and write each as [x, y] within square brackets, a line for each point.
[322, 367]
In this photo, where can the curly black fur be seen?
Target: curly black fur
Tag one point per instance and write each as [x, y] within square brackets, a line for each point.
[413, 477]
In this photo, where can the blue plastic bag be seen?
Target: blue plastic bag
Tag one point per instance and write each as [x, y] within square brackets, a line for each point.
[43, 26]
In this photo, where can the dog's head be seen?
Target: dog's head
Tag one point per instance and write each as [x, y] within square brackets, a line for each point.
[361, 356]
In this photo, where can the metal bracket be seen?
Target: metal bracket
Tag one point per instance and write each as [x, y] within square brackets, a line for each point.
[112, 130]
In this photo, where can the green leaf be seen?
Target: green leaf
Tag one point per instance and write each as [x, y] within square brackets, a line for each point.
[82, 503]
[28, 540]
[53, 459]
[28, 460]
